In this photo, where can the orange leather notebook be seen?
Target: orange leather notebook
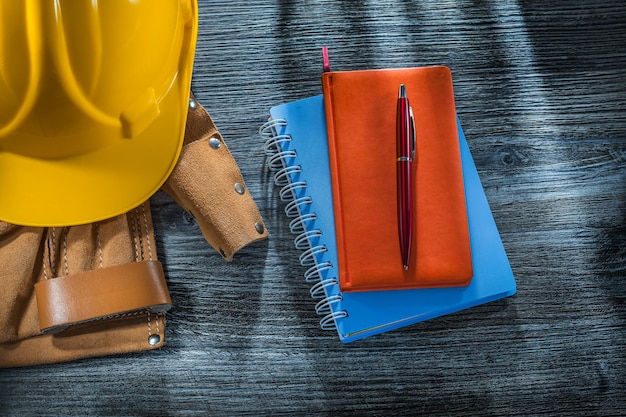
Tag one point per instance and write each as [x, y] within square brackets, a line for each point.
[361, 125]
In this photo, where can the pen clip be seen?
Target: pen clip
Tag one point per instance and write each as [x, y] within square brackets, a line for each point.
[413, 138]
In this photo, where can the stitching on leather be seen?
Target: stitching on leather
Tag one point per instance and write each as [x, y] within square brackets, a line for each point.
[65, 260]
[141, 238]
[99, 243]
[133, 232]
[158, 317]
[52, 251]
[140, 244]
[145, 221]
[140, 232]
[53, 245]
[149, 325]
[140, 255]
[46, 256]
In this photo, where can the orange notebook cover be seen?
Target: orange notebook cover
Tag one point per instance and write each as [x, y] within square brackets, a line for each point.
[361, 125]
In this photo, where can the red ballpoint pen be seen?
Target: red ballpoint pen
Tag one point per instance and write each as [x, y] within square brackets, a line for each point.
[405, 148]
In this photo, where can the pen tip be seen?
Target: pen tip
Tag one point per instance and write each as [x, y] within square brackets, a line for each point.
[406, 267]
[402, 91]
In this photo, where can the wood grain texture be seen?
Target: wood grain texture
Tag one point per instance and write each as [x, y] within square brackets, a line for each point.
[540, 90]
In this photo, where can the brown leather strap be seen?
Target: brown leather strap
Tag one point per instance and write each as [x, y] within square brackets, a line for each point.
[100, 294]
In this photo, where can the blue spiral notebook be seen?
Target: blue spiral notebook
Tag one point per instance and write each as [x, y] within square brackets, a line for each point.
[295, 142]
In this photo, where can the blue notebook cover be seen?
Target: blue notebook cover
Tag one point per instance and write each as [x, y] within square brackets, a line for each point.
[296, 141]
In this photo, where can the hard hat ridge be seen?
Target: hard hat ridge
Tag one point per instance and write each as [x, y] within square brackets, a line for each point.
[94, 105]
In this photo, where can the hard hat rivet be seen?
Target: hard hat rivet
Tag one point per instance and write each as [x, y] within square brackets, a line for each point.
[259, 227]
[239, 188]
[192, 104]
[215, 143]
[154, 339]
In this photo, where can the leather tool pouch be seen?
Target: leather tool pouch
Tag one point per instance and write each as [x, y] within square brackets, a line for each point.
[208, 183]
[81, 291]
[98, 289]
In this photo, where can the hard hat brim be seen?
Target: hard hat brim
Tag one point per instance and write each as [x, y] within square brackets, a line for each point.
[102, 183]
[97, 185]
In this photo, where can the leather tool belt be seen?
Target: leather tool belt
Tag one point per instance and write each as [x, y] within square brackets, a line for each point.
[99, 289]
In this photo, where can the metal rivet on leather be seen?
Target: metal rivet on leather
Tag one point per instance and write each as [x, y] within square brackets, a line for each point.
[215, 143]
[192, 104]
[154, 339]
[259, 227]
[239, 188]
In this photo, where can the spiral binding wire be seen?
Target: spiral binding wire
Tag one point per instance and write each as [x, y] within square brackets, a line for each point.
[281, 178]
[319, 289]
[314, 272]
[302, 241]
[276, 161]
[307, 258]
[295, 206]
[287, 192]
[307, 239]
[297, 225]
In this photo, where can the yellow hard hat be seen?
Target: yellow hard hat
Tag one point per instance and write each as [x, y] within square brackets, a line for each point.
[93, 103]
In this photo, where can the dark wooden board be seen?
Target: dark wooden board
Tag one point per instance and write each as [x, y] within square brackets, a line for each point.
[540, 90]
